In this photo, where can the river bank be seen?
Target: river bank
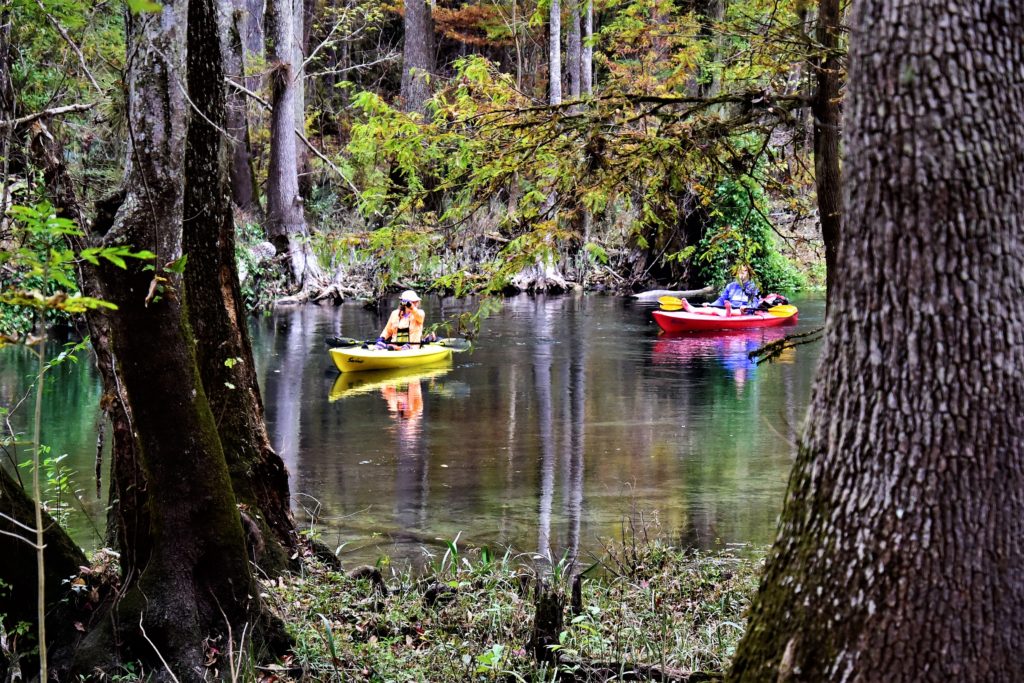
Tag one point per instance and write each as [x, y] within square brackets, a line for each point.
[642, 610]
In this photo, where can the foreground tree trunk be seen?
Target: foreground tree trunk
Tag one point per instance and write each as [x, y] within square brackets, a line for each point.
[827, 112]
[195, 582]
[18, 572]
[899, 554]
[217, 316]
[417, 55]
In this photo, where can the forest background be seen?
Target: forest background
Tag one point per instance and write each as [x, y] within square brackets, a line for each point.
[429, 147]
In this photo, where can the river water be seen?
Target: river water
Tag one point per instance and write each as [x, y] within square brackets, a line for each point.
[570, 420]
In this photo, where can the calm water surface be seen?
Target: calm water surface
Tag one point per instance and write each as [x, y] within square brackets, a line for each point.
[570, 415]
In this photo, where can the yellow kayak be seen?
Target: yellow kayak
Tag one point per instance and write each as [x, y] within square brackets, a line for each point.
[357, 359]
[350, 384]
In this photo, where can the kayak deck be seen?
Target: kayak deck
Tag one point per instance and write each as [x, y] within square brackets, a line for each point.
[357, 358]
[698, 321]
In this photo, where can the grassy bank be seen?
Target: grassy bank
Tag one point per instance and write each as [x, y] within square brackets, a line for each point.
[646, 608]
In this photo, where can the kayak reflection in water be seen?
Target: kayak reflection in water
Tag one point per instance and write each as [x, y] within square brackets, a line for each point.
[405, 404]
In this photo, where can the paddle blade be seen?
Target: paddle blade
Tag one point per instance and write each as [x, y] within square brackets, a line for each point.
[784, 311]
[670, 303]
[337, 342]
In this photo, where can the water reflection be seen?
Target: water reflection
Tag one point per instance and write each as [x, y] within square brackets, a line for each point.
[570, 415]
[402, 391]
[731, 349]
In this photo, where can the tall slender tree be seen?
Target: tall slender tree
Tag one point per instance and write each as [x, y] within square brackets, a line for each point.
[417, 55]
[899, 554]
[826, 107]
[574, 50]
[216, 314]
[243, 179]
[555, 53]
[587, 58]
[286, 220]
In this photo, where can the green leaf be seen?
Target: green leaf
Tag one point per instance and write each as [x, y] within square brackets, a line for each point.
[178, 265]
[140, 6]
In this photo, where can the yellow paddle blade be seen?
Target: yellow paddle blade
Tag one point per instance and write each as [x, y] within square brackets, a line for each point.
[670, 303]
[783, 311]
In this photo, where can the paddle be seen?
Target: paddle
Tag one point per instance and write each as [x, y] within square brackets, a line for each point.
[454, 343]
[671, 303]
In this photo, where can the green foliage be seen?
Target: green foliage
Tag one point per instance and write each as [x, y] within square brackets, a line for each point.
[262, 282]
[471, 615]
[741, 235]
[39, 269]
[639, 158]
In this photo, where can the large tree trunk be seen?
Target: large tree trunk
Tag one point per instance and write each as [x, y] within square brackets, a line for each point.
[417, 56]
[127, 514]
[217, 315]
[899, 554]
[195, 582]
[555, 53]
[286, 222]
[827, 118]
[301, 36]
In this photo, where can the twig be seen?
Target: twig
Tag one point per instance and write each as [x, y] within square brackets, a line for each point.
[22, 538]
[56, 111]
[67, 39]
[157, 651]
[12, 520]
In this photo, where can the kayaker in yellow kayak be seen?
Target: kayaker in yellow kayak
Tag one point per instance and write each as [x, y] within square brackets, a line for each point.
[405, 326]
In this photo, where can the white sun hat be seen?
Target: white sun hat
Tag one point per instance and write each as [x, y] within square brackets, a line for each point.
[409, 295]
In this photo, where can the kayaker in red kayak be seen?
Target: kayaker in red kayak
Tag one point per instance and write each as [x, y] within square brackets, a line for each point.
[405, 326]
[741, 293]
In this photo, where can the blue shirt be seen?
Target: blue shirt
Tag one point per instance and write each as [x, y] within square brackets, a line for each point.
[744, 295]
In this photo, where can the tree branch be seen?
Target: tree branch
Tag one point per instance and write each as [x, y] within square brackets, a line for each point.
[56, 111]
[67, 39]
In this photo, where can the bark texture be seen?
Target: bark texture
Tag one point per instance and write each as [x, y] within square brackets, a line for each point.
[587, 57]
[555, 53]
[574, 50]
[899, 554]
[217, 316]
[243, 180]
[286, 221]
[827, 134]
[195, 581]
[417, 55]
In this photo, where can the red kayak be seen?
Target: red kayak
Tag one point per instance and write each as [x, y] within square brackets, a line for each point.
[698, 320]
